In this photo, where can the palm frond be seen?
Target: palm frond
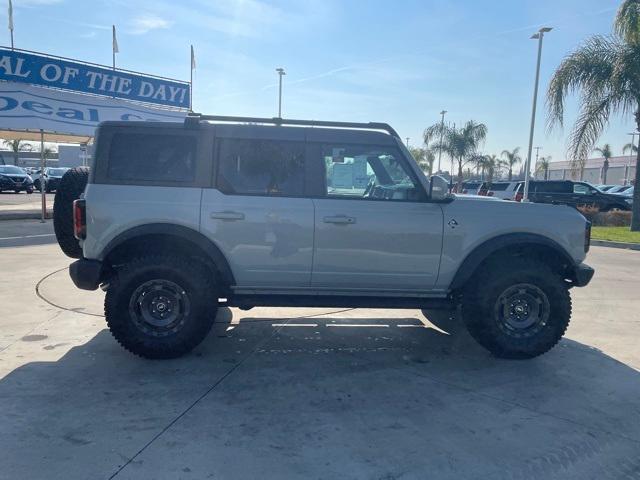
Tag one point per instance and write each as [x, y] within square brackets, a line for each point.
[588, 70]
[627, 22]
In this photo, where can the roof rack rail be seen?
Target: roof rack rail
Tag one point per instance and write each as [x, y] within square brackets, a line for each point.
[193, 120]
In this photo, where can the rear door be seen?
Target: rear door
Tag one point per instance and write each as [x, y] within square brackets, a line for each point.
[374, 229]
[256, 211]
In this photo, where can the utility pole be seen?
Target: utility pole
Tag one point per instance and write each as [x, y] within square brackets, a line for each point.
[443, 112]
[408, 142]
[537, 36]
[281, 73]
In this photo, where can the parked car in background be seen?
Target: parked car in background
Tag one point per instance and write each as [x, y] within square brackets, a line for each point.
[503, 190]
[52, 176]
[619, 189]
[469, 188]
[574, 194]
[627, 195]
[15, 178]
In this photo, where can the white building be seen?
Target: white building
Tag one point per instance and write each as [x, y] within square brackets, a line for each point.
[621, 171]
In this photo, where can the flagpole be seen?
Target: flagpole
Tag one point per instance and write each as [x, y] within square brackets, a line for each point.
[11, 22]
[193, 62]
[113, 45]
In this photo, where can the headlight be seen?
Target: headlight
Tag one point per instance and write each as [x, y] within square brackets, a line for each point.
[629, 200]
[29, 179]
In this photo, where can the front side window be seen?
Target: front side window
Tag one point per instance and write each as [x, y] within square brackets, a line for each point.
[367, 172]
[152, 157]
[581, 189]
[261, 167]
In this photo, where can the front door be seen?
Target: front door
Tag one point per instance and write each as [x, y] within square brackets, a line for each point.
[256, 214]
[374, 231]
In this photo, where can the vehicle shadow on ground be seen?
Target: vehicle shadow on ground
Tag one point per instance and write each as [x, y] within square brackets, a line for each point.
[323, 397]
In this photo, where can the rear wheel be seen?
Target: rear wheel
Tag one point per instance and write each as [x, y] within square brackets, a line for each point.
[516, 308]
[71, 186]
[161, 306]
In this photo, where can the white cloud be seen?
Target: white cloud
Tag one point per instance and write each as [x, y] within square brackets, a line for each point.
[145, 23]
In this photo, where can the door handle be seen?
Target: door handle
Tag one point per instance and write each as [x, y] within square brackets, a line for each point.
[340, 219]
[227, 215]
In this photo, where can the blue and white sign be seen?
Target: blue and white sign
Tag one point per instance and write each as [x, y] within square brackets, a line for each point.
[31, 109]
[18, 66]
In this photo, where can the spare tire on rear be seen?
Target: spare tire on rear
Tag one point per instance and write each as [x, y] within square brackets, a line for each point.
[70, 188]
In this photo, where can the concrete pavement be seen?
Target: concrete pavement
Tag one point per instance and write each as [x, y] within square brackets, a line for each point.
[311, 393]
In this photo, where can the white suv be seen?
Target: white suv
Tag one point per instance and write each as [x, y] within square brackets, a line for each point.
[179, 219]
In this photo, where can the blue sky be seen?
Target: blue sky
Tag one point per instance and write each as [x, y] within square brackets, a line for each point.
[399, 62]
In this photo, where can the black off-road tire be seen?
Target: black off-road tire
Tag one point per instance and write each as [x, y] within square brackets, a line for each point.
[481, 307]
[125, 299]
[71, 186]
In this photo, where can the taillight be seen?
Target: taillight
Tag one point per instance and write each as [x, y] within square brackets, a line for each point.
[489, 194]
[587, 237]
[518, 197]
[79, 219]
[465, 191]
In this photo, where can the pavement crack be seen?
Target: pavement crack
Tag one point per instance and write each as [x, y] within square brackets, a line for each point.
[255, 349]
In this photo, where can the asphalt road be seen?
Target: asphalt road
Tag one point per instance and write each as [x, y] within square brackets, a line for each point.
[310, 393]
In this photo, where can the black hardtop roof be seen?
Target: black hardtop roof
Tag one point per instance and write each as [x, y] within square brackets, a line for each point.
[279, 128]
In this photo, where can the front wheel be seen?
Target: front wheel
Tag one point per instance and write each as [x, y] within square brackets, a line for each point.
[517, 308]
[161, 306]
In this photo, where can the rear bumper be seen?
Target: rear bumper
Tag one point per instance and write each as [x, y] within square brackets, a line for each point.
[582, 274]
[86, 274]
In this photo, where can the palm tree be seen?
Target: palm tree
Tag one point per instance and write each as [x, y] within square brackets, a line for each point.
[605, 72]
[460, 144]
[492, 164]
[605, 151]
[16, 146]
[424, 157]
[629, 147]
[543, 166]
[512, 158]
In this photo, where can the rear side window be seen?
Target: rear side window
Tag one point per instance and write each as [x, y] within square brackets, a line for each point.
[261, 167]
[155, 158]
[553, 187]
[499, 187]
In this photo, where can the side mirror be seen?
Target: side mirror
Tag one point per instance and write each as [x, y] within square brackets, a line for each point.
[438, 188]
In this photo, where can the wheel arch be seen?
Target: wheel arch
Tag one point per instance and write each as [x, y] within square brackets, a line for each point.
[519, 244]
[176, 238]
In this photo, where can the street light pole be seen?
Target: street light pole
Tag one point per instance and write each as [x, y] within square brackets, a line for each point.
[537, 36]
[408, 142]
[281, 72]
[627, 168]
[536, 164]
[443, 112]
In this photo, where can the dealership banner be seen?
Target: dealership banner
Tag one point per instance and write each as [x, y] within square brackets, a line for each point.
[27, 108]
[36, 69]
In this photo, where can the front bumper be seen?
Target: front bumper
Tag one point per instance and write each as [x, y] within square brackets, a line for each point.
[86, 274]
[582, 275]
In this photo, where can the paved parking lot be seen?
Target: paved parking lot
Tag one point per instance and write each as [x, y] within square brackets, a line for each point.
[23, 200]
[310, 393]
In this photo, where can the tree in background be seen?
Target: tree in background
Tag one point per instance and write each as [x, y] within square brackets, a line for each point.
[629, 147]
[511, 159]
[424, 157]
[460, 144]
[606, 153]
[17, 146]
[492, 164]
[543, 167]
[605, 72]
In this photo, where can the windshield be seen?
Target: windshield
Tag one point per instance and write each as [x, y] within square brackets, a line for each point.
[11, 170]
[57, 172]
